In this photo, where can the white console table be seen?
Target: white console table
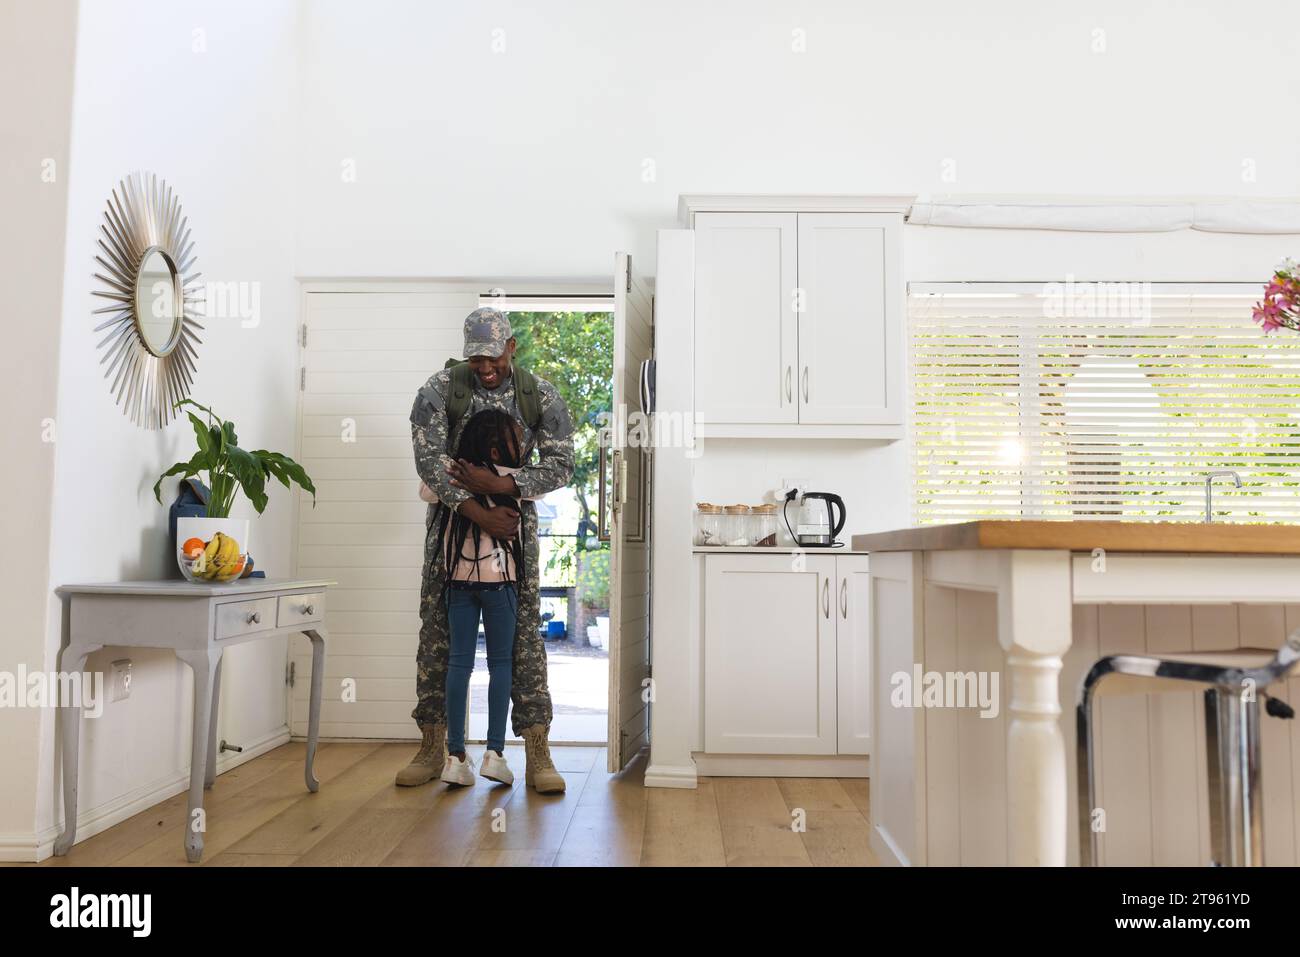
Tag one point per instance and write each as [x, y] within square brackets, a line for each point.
[198, 622]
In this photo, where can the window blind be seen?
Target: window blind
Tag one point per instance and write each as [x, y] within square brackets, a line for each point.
[1103, 403]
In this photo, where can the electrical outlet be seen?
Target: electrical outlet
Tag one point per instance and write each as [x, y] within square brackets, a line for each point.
[121, 679]
[802, 484]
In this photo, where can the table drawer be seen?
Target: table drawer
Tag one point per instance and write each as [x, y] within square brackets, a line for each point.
[300, 609]
[245, 617]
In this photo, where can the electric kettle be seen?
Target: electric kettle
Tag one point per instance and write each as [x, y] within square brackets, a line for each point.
[818, 523]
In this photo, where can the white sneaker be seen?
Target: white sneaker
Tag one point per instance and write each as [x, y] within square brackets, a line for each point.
[495, 768]
[456, 771]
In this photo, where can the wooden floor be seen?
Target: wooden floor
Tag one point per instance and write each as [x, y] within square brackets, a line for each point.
[261, 814]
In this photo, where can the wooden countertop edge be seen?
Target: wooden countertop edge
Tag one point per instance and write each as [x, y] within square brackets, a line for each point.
[1185, 537]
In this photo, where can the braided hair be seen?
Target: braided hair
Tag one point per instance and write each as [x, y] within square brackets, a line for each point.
[486, 431]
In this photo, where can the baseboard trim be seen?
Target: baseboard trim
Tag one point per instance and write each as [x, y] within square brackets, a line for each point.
[35, 847]
[783, 765]
[671, 776]
[886, 851]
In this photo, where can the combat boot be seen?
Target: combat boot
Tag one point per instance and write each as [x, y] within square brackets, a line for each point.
[540, 773]
[429, 760]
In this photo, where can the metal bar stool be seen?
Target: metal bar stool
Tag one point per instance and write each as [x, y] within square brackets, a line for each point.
[1234, 682]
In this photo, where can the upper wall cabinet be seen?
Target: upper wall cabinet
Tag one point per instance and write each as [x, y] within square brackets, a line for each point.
[798, 316]
[746, 328]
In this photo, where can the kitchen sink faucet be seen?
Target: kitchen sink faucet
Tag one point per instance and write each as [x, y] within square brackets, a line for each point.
[1209, 493]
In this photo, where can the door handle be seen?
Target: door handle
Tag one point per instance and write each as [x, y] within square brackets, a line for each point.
[620, 479]
[805, 385]
[826, 597]
[602, 530]
[789, 371]
[844, 598]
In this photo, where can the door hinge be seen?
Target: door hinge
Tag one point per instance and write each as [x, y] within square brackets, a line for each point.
[302, 379]
[629, 274]
[288, 674]
[304, 335]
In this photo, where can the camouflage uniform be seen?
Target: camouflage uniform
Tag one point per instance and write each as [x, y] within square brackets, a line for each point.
[553, 441]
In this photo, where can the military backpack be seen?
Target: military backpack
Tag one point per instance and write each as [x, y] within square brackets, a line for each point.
[461, 389]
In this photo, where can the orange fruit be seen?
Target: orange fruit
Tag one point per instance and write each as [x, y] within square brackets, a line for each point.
[192, 547]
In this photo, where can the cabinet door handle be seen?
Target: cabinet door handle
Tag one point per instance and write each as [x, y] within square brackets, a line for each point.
[805, 385]
[826, 597]
[844, 598]
[789, 371]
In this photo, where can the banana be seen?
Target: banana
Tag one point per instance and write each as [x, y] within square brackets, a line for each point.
[219, 560]
[206, 566]
[226, 559]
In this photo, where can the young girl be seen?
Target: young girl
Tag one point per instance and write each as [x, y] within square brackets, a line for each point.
[482, 574]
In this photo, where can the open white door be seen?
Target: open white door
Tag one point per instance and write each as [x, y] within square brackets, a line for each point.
[629, 534]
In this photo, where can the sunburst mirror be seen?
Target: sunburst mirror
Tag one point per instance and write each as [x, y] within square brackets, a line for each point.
[150, 349]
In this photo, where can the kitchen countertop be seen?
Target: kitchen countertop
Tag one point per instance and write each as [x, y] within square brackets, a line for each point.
[1084, 536]
[767, 550]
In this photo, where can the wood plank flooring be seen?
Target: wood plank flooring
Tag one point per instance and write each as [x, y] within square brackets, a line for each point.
[260, 814]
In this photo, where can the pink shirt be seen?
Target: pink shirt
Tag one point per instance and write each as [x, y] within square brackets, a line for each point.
[490, 567]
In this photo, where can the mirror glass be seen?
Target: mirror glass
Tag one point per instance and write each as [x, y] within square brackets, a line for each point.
[157, 302]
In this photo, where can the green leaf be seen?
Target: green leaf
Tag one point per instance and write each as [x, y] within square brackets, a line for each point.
[228, 429]
[192, 467]
[284, 468]
[275, 469]
[247, 470]
[201, 434]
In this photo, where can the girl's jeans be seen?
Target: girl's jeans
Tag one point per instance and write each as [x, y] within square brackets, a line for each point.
[499, 606]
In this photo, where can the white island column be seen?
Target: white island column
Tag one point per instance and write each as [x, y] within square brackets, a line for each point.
[1034, 629]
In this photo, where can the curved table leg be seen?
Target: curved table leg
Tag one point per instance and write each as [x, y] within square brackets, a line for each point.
[317, 637]
[74, 662]
[211, 773]
[203, 663]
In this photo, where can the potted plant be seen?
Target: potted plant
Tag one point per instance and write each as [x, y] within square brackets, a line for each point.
[215, 548]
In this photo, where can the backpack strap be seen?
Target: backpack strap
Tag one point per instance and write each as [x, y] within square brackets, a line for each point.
[459, 390]
[527, 397]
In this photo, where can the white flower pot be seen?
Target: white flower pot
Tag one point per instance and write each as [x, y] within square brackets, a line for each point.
[593, 636]
[602, 622]
[209, 567]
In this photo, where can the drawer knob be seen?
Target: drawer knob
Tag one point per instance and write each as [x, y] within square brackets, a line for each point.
[309, 609]
[254, 618]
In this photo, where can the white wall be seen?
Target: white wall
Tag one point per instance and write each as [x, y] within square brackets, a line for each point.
[33, 193]
[217, 122]
[530, 161]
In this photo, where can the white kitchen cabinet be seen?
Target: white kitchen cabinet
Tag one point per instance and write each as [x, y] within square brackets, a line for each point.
[798, 322]
[853, 653]
[769, 655]
[850, 369]
[787, 655]
[746, 330]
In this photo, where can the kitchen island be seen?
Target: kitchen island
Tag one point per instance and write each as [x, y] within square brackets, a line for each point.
[1021, 610]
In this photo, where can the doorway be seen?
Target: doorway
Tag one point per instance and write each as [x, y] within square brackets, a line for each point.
[571, 345]
[365, 348]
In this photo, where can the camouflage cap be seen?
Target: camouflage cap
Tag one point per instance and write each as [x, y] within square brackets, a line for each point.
[486, 332]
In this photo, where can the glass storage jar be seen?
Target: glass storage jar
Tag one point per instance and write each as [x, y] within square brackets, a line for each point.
[708, 524]
[762, 526]
[735, 526]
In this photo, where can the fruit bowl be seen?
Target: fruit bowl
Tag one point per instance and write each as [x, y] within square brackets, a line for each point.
[212, 550]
